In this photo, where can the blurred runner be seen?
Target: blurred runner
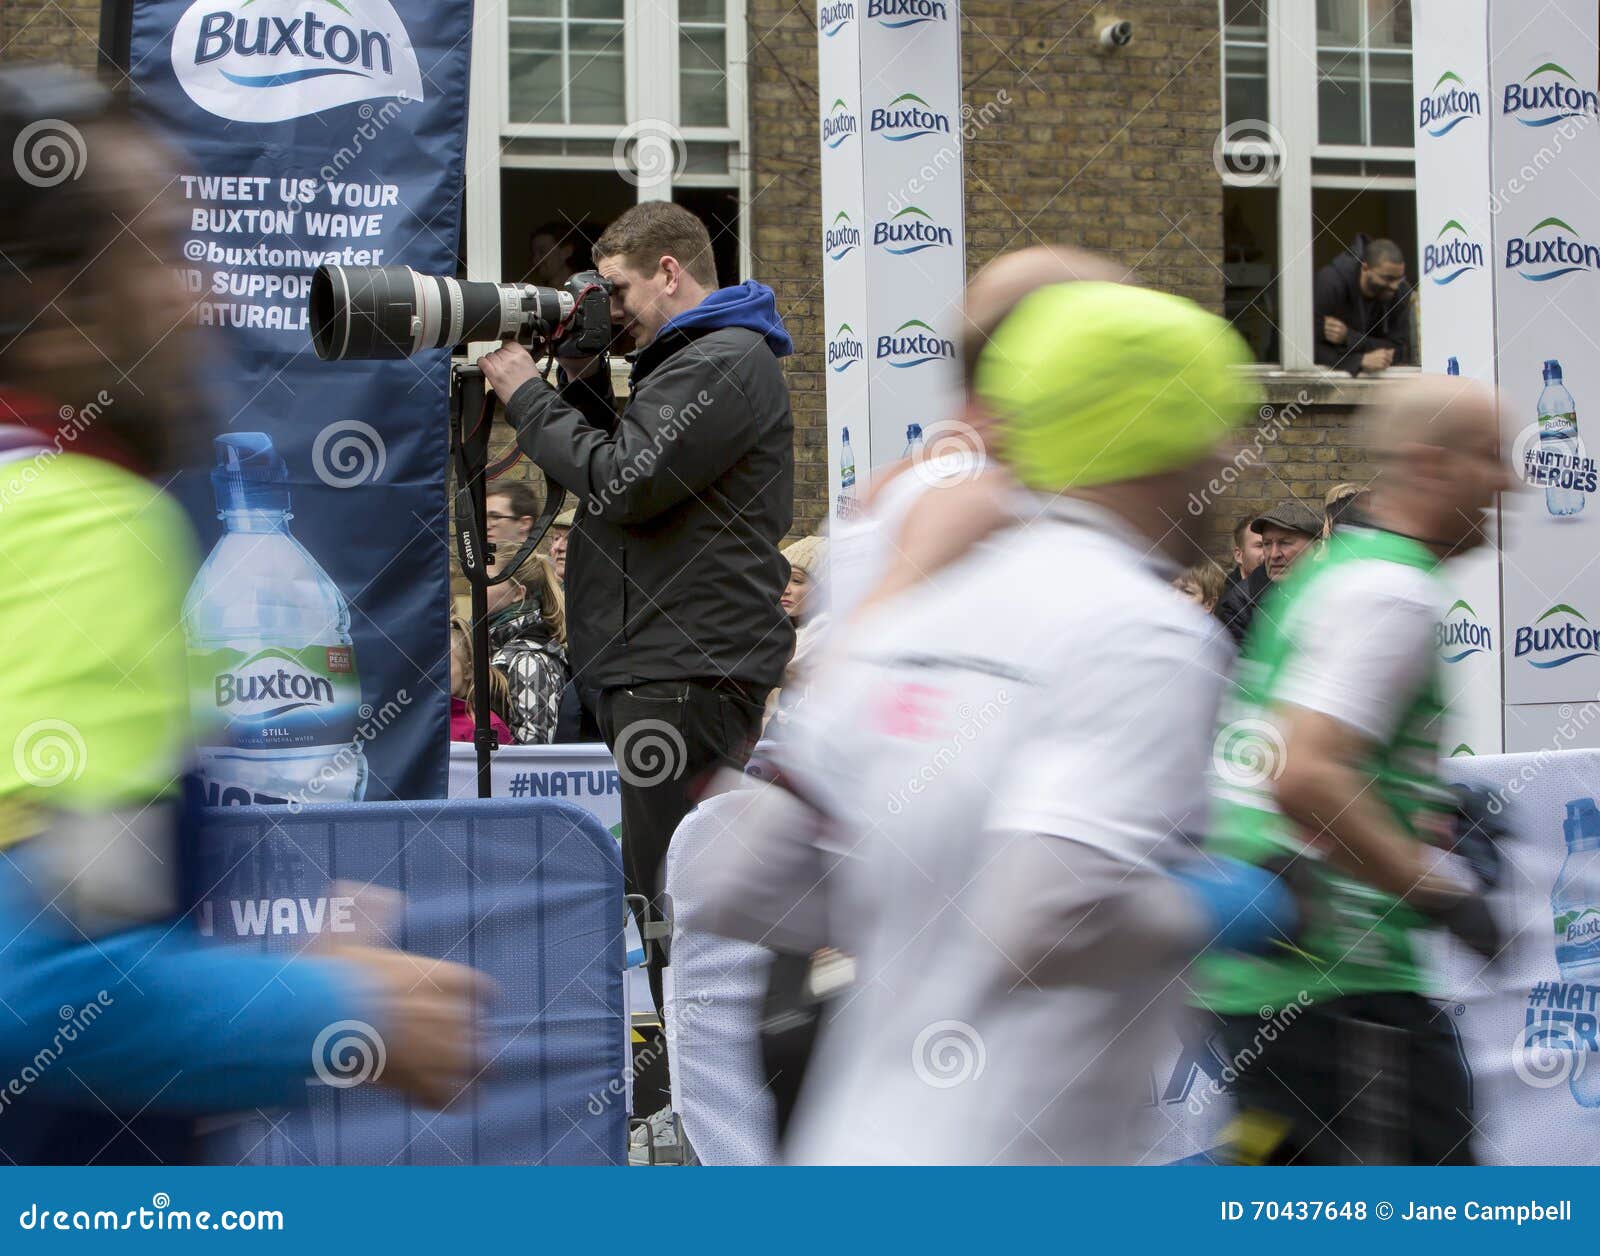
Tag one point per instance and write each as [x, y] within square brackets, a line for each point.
[978, 796]
[1329, 747]
[120, 1024]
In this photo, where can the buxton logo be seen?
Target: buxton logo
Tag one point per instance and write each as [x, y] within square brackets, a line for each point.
[911, 231]
[1463, 749]
[1569, 638]
[838, 124]
[270, 684]
[844, 350]
[1446, 260]
[833, 18]
[1578, 926]
[1554, 97]
[1448, 106]
[1550, 249]
[896, 14]
[913, 343]
[842, 236]
[1460, 635]
[272, 60]
[908, 117]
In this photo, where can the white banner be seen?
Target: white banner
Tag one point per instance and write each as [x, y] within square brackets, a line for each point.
[894, 247]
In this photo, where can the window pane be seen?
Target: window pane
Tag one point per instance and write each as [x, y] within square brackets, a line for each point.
[1250, 267]
[703, 11]
[597, 8]
[706, 159]
[1246, 84]
[1390, 97]
[535, 8]
[703, 85]
[1389, 23]
[1245, 19]
[1339, 98]
[1340, 23]
[597, 72]
[533, 63]
[1340, 215]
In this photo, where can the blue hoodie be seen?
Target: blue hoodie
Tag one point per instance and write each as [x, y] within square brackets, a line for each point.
[748, 304]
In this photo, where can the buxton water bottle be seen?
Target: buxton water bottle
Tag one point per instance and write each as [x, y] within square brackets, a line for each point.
[1557, 460]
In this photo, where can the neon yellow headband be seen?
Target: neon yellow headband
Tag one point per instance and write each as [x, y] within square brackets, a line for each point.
[1098, 382]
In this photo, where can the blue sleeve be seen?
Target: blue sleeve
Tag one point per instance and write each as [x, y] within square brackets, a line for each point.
[1247, 908]
[157, 1016]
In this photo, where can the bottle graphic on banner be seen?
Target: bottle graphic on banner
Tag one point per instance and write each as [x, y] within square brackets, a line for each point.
[913, 439]
[1452, 367]
[1557, 458]
[1575, 904]
[272, 671]
[847, 478]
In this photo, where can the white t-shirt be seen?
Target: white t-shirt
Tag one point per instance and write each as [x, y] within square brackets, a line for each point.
[1362, 638]
[1050, 680]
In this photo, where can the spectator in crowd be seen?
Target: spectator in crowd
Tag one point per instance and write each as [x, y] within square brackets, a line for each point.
[559, 251]
[673, 574]
[558, 542]
[509, 513]
[1202, 583]
[1246, 552]
[1363, 309]
[1285, 531]
[801, 602]
[1338, 503]
[528, 635]
[96, 862]
[462, 691]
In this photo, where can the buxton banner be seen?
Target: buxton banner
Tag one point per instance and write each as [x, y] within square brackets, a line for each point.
[313, 131]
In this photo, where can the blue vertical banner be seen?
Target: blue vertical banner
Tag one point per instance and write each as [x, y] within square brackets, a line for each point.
[311, 132]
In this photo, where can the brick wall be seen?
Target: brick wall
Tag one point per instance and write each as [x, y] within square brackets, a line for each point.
[49, 30]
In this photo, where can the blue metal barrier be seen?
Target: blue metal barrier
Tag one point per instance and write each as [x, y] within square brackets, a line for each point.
[528, 892]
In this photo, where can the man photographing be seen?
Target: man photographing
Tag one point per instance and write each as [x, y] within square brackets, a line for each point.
[673, 569]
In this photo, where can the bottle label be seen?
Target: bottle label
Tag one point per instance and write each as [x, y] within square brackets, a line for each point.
[275, 697]
[1578, 936]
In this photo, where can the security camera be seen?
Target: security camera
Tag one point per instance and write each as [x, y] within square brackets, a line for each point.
[1116, 34]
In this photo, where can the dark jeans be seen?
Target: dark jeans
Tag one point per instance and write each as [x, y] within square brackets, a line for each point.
[1367, 1079]
[668, 736]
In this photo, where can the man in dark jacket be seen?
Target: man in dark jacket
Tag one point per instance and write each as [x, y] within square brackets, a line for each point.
[1286, 531]
[1363, 309]
[673, 569]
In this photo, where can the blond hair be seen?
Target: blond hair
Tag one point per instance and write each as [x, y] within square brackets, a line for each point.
[499, 686]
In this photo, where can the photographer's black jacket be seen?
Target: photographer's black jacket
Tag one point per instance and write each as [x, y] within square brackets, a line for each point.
[673, 569]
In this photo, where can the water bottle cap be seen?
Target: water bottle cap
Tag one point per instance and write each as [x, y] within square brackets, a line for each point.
[1552, 371]
[1582, 825]
[913, 431]
[846, 432]
[250, 473]
[1452, 367]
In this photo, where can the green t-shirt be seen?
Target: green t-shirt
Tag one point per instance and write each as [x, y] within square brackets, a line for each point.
[94, 714]
[1365, 944]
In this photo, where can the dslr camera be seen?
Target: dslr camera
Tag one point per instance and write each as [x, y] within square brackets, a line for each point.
[367, 313]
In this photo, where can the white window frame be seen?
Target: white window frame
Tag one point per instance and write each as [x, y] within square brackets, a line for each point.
[650, 61]
[1292, 72]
